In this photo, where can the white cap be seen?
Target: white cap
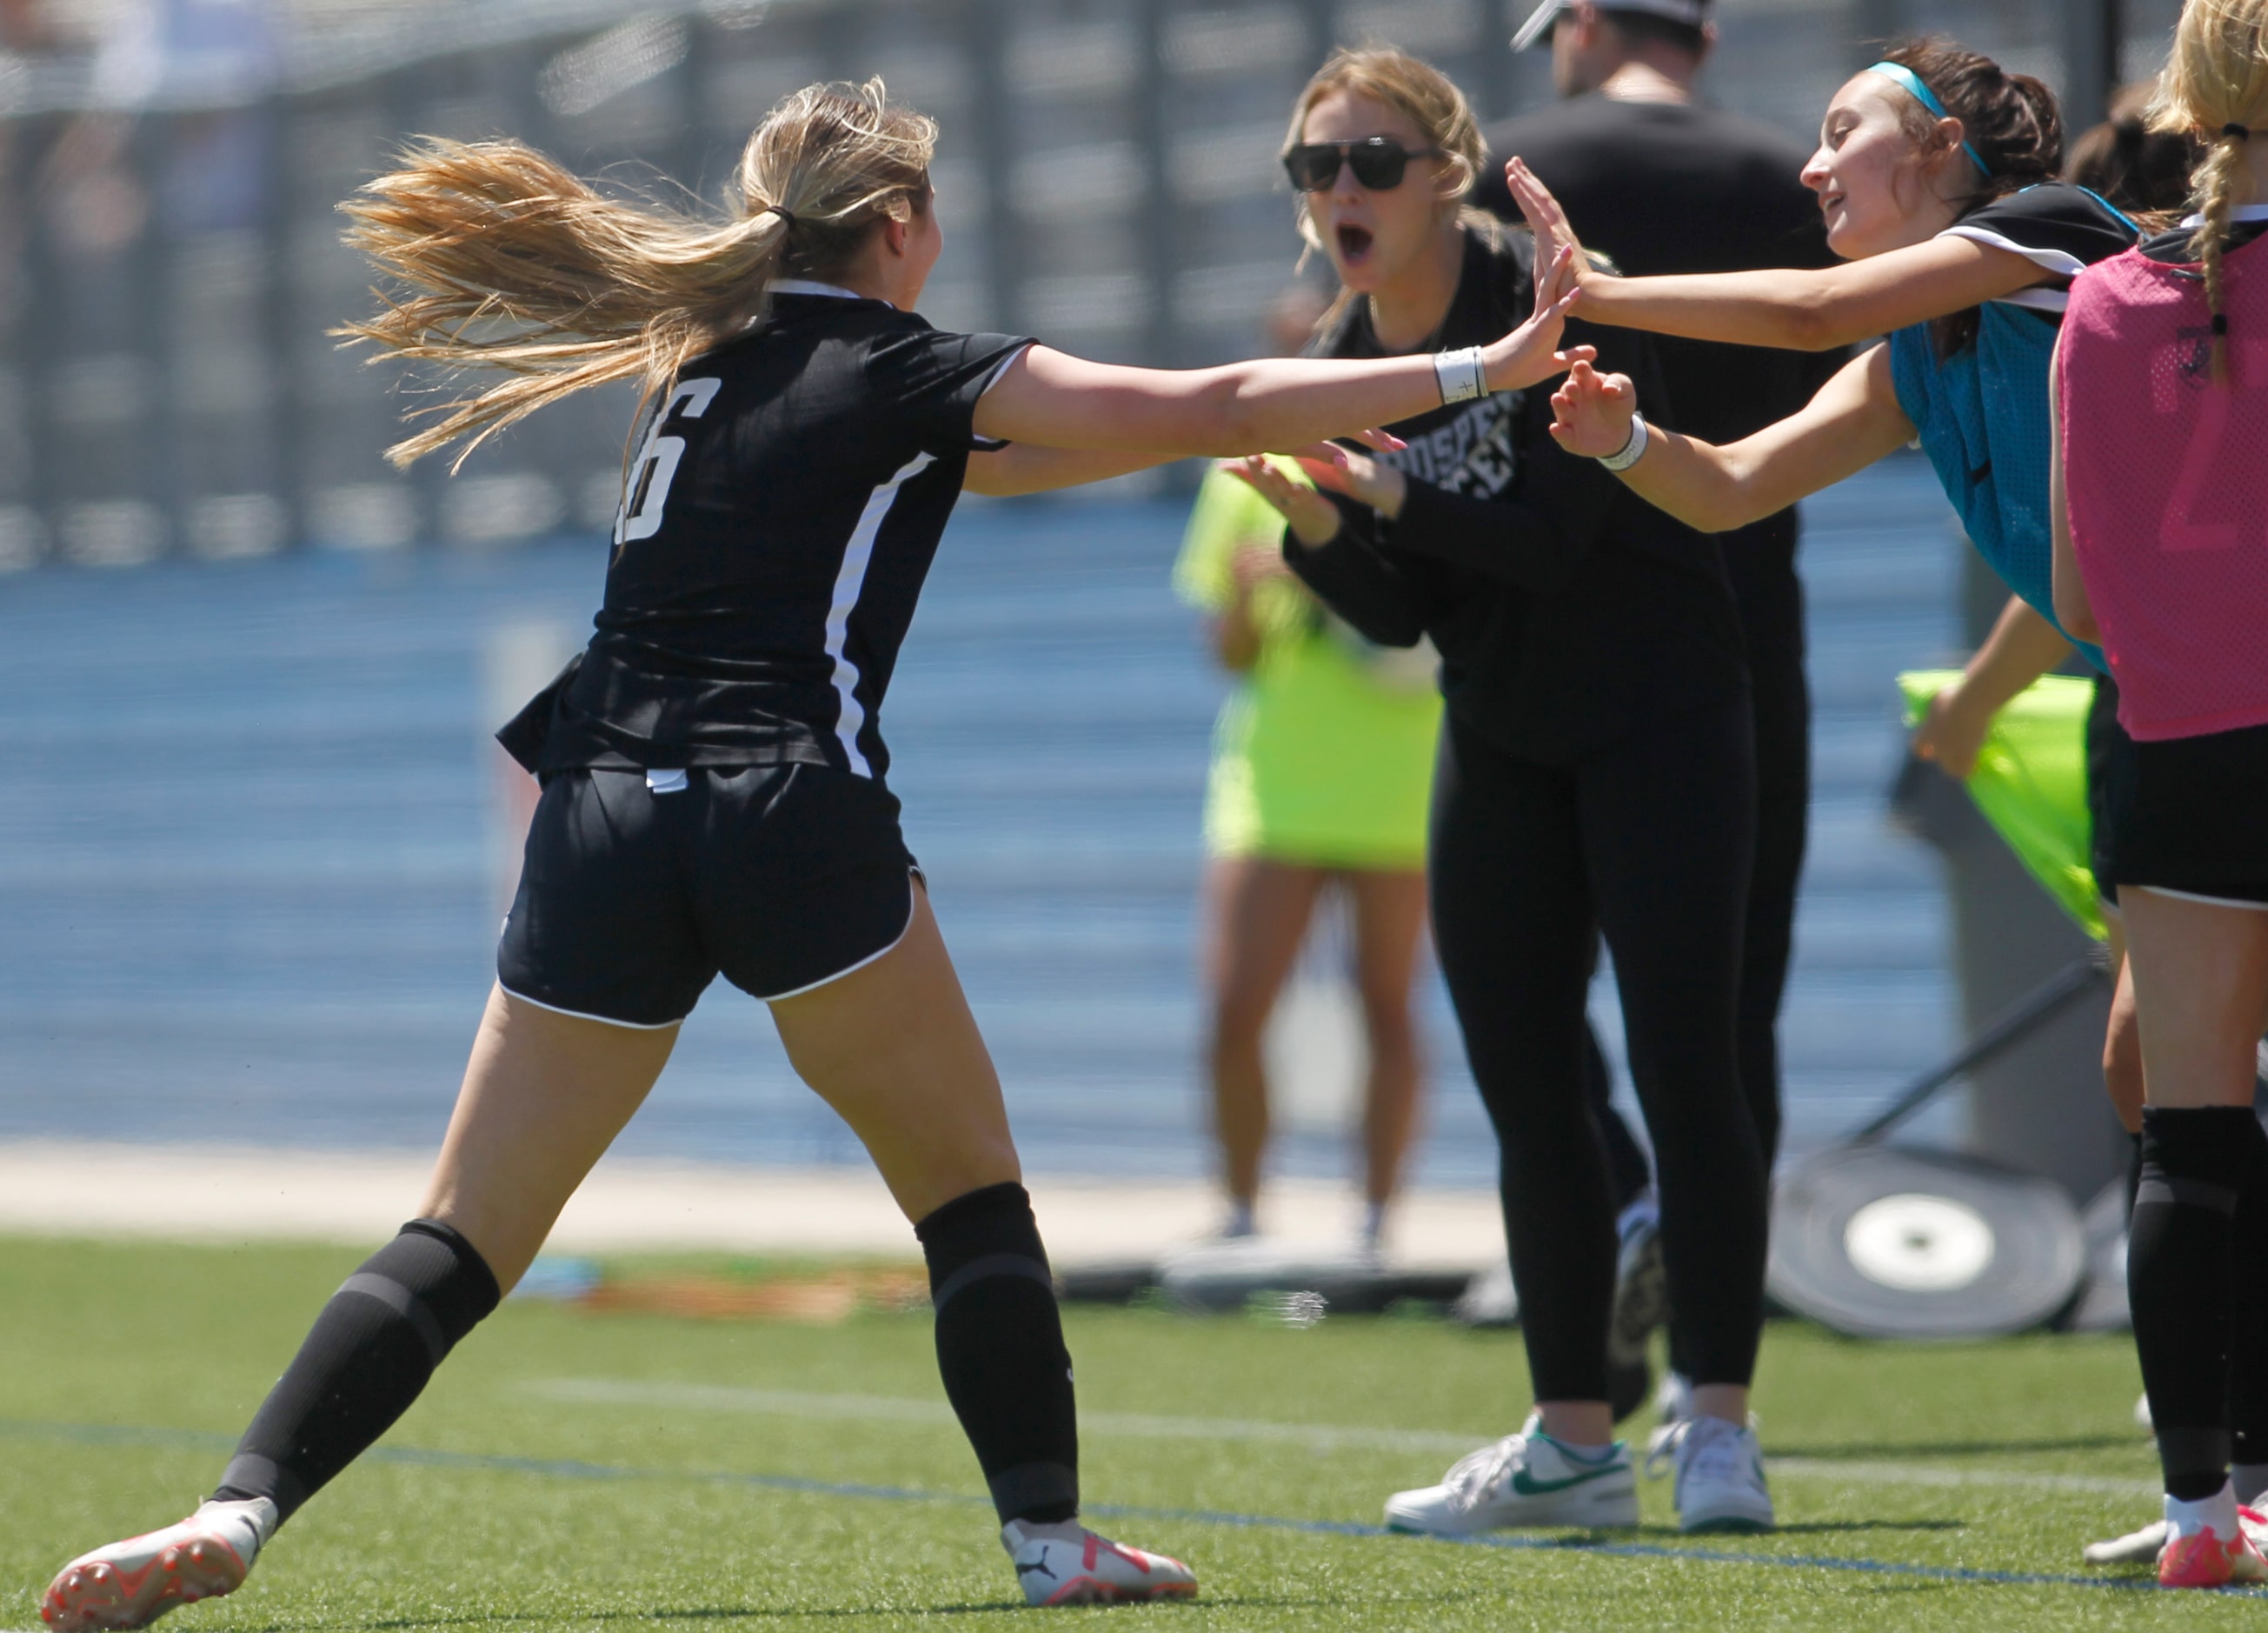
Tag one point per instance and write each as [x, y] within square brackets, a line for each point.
[1694, 13]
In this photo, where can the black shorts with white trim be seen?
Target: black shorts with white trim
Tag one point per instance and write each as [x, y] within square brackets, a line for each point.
[639, 887]
[2186, 816]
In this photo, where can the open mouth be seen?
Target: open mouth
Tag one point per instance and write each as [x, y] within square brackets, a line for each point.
[1354, 242]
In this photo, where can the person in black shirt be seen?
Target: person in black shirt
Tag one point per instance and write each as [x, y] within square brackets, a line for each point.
[714, 770]
[1594, 775]
[1660, 183]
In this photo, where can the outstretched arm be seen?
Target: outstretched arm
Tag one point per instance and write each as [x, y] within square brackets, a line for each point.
[1331, 548]
[2023, 646]
[2073, 609]
[1853, 421]
[1027, 467]
[1815, 310]
[1059, 401]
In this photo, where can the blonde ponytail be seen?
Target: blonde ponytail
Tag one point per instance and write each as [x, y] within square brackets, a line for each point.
[2216, 87]
[507, 261]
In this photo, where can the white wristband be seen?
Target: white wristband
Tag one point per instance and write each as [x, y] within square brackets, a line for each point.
[1463, 375]
[1633, 450]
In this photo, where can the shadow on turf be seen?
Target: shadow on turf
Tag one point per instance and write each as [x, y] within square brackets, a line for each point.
[1580, 1540]
[750, 1613]
[1893, 1449]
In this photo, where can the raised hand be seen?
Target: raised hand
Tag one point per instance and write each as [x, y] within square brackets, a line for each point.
[1530, 354]
[1591, 412]
[1544, 217]
[1314, 519]
[1361, 478]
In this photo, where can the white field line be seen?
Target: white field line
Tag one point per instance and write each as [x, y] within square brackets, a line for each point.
[1318, 1437]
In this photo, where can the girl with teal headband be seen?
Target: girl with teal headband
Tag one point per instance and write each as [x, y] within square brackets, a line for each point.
[1936, 173]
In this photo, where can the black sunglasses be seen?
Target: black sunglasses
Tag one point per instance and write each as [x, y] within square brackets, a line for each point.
[1379, 163]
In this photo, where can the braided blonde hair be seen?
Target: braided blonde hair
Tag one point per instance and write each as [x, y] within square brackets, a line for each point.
[505, 260]
[2216, 85]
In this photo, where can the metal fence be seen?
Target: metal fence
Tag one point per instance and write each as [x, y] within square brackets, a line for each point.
[169, 264]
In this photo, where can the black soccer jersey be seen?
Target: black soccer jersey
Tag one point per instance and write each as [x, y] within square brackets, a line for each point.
[777, 522]
[1567, 610]
[2174, 248]
[2058, 226]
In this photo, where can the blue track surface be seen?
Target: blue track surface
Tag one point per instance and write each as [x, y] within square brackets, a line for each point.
[245, 851]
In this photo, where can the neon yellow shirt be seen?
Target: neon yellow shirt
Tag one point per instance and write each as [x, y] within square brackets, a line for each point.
[1323, 755]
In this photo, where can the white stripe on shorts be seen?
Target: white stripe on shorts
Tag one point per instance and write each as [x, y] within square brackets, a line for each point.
[2195, 896]
[912, 907]
[577, 1014]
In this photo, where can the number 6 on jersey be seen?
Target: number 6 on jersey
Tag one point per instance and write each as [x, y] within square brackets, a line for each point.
[647, 489]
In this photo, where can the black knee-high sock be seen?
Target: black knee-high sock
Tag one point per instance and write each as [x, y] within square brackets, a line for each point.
[368, 1356]
[1000, 1347]
[2248, 1338]
[2195, 1165]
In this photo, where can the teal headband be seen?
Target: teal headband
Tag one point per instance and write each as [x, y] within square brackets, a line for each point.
[1907, 81]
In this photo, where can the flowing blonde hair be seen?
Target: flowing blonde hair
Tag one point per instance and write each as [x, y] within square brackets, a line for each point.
[507, 261]
[1421, 93]
[2216, 78]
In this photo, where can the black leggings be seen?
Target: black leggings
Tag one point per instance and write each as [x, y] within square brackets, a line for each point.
[1647, 842]
[1761, 559]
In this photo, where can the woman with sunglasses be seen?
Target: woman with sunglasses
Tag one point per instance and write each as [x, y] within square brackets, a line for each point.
[715, 798]
[1594, 775]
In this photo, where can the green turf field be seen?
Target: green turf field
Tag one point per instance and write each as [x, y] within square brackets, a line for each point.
[578, 1469]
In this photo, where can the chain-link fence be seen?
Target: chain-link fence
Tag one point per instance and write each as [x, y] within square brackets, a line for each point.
[170, 263]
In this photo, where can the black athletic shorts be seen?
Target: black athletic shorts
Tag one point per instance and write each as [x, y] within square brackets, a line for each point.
[631, 899]
[2106, 741]
[2186, 816]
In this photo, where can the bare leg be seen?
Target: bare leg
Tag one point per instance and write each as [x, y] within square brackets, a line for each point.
[2200, 977]
[544, 1095]
[2121, 1042]
[1389, 924]
[894, 1049]
[1260, 911]
[2200, 982]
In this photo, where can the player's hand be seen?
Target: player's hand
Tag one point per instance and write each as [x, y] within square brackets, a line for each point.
[1530, 354]
[1384, 441]
[1591, 412]
[1546, 219]
[1314, 519]
[1951, 733]
[1253, 564]
[1361, 478]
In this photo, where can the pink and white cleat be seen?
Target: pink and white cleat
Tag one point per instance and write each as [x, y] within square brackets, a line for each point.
[1068, 1564]
[2207, 1545]
[131, 1583]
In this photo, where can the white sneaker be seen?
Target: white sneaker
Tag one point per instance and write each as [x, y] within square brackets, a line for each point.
[1068, 1564]
[131, 1583]
[2136, 1548]
[1673, 1405]
[1720, 1476]
[2141, 1547]
[1527, 1479]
